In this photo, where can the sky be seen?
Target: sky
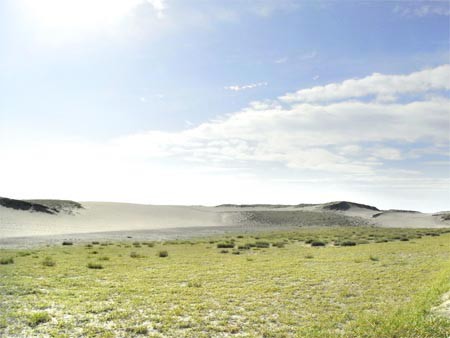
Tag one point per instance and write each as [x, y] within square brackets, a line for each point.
[239, 101]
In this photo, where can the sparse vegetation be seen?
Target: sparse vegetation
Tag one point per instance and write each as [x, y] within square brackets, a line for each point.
[380, 289]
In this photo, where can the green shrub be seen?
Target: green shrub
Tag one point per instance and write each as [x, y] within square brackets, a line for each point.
[374, 258]
[224, 245]
[6, 260]
[262, 244]
[244, 247]
[318, 243]
[103, 258]
[163, 253]
[348, 243]
[67, 243]
[134, 254]
[224, 251]
[48, 261]
[96, 266]
[279, 244]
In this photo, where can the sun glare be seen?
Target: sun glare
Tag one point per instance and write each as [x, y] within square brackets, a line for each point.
[75, 18]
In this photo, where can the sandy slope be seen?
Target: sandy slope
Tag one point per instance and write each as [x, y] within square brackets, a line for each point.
[100, 216]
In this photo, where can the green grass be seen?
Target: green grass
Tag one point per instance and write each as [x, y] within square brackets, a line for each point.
[380, 289]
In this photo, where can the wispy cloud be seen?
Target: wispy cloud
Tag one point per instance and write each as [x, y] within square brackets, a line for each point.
[422, 9]
[238, 88]
[281, 60]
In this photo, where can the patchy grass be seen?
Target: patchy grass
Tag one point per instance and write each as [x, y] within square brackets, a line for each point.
[38, 318]
[265, 291]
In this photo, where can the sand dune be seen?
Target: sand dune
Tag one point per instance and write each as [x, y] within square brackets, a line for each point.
[94, 217]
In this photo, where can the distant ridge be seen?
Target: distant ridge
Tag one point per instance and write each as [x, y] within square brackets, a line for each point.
[344, 205]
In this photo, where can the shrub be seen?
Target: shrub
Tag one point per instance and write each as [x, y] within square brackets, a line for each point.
[134, 254]
[48, 261]
[348, 243]
[224, 251]
[67, 243]
[309, 256]
[318, 243]
[374, 258]
[225, 245]
[261, 244]
[95, 242]
[104, 258]
[244, 247]
[88, 246]
[6, 260]
[163, 253]
[38, 318]
[236, 252]
[96, 266]
[279, 244]
[94, 252]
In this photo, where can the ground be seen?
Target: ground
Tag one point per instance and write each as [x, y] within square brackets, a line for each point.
[279, 285]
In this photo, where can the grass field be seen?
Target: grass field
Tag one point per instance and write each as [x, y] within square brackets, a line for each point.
[312, 282]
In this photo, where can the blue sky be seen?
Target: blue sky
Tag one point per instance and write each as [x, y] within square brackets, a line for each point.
[158, 101]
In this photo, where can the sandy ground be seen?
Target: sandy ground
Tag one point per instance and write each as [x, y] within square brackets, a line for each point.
[109, 221]
[444, 308]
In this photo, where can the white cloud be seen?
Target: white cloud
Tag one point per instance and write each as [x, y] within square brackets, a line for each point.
[238, 88]
[384, 86]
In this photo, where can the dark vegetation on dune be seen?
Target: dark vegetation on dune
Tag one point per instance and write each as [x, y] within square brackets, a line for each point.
[344, 205]
[392, 211]
[43, 206]
[301, 205]
[24, 205]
